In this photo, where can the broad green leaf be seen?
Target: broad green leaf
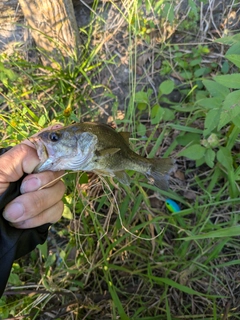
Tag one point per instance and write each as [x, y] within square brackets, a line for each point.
[42, 120]
[67, 213]
[188, 138]
[156, 114]
[14, 279]
[187, 75]
[236, 121]
[210, 103]
[193, 152]
[142, 96]
[230, 109]
[229, 80]
[209, 157]
[234, 58]
[202, 72]
[141, 129]
[142, 106]
[232, 100]
[216, 89]
[234, 49]
[225, 67]
[166, 87]
[237, 174]
[8, 72]
[211, 121]
[195, 62]
[225, 158]
[229, 40]
[168, 115]
[43, 248]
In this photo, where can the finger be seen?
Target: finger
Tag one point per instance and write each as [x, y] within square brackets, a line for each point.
[16, 161]
[35, 181]
[51, 215]
[31, 204]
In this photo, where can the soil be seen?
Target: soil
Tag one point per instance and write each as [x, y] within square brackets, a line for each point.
[142, 66]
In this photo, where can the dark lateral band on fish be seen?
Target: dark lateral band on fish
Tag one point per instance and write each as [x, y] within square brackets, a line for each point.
[97, 147]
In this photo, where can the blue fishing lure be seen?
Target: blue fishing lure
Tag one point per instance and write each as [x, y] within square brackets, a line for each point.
[172, 205]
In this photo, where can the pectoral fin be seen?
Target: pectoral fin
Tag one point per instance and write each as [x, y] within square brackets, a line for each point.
[122, 177]
[108, 151]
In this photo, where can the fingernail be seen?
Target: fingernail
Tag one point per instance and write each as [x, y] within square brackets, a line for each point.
[13, 211]
[29, 185]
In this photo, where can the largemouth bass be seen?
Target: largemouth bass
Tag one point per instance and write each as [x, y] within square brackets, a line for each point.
[98, 148]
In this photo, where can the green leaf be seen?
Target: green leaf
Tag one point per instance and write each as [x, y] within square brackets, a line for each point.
[193, 152]
[236, 121]
[209, 157]
[50, 260]
[229, 40]
[225, 158]
[67, 213]
[211, 121]
[43, 248]
[187, 75]
[233, 231]
[225, 67]
[143, 97]
[168, 115]
[202, 72]
[42, 120]
[188, 138]
[216, 89]
[156, 114]
[141, 129]
[234, 49]
[229, 80]
[234, 58]
[210, 103]
[230, 109]
[117, 301]
[14, 279]
[166, 87]
[176, 285]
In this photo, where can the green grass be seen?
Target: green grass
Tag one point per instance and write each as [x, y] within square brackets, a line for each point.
[118, 253]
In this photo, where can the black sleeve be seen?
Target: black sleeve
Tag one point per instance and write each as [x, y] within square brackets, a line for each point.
[15, 243]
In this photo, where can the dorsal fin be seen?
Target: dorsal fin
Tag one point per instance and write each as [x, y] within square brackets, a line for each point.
[125, 135]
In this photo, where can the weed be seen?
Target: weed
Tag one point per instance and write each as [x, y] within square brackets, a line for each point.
[118, 252]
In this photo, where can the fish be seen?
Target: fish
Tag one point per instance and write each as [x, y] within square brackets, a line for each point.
[97, 147]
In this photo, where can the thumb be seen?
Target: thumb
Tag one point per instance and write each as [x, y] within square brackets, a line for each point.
[15, 162]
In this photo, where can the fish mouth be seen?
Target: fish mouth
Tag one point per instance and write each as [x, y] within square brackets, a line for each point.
[41, 149]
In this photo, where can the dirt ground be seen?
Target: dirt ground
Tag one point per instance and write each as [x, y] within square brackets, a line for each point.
[218, 18]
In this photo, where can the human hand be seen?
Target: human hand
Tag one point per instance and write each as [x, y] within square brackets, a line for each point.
[33, 207]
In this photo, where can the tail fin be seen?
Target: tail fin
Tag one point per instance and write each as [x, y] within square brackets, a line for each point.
[159, 172]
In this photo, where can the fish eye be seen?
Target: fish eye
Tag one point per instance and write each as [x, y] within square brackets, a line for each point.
[54, 136]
